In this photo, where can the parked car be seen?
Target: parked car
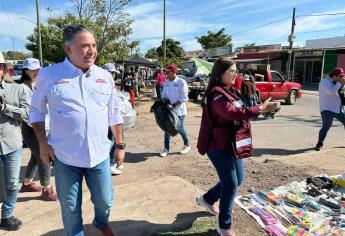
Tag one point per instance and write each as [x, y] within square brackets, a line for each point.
[18, 69]
[270, 83]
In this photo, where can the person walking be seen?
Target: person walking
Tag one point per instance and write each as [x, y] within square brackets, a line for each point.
[330, 103]
[14, 108]
[227, 117]
[248, 91]
[82, 103]
[175, 95]
[160, 80]
[31, 67]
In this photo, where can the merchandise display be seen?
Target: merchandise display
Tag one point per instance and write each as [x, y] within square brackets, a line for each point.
[307, 208]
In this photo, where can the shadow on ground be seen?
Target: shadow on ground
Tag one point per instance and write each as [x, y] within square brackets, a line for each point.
[279, 152]
[182, 222]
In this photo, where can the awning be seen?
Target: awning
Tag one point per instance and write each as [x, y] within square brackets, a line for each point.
[250, 60]
[203, 66]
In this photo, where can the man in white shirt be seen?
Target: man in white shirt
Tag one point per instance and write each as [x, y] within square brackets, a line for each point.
[175, 94]
[330, 103]
[82, 103]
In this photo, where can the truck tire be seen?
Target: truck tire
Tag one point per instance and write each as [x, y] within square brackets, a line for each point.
[292, 97]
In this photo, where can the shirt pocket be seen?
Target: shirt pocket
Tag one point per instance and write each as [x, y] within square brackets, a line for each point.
[61, 89]
[101, 95]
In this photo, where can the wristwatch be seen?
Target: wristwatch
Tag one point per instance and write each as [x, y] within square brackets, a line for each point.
[120, 145]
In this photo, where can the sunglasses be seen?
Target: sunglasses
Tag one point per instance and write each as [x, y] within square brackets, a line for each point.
[2, 66]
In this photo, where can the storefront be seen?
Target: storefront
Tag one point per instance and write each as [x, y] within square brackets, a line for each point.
[307, 66]
[311, 65]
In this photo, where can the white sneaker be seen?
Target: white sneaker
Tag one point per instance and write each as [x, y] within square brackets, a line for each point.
[185, 149]
[213, 209]
[121, 167]
[115, 171]
[164, 153]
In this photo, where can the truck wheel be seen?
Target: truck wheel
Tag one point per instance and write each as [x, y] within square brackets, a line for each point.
[291, 98]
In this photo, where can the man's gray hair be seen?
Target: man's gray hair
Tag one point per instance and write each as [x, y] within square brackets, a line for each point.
[70, 31]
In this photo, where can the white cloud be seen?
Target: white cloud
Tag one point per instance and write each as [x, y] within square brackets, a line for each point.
[143, 9]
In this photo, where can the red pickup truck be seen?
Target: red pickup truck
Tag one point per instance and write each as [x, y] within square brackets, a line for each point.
[270, 83]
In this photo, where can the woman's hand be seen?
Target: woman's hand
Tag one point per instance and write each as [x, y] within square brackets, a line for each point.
[269, 106]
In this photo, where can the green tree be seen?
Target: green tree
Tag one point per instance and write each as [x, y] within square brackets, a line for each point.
[214, 40]
[134, 45]
[152, 53]
[173, 52]
[10, 55]
[107, 19]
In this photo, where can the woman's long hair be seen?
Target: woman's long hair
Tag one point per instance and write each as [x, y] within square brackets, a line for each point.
[219, 68]
[25, 79]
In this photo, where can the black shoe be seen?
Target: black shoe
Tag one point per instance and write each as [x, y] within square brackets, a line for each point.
[11, 223]
[318, 147]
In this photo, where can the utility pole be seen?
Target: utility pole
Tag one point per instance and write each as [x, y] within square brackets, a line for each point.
[164, 41]
[291, 39]
[39, 32]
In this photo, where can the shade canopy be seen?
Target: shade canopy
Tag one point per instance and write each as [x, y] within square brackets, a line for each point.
[203, 67]
[138, 60]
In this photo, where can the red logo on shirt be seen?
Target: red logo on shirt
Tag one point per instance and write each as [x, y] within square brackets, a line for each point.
[62, 82]
[102, 81]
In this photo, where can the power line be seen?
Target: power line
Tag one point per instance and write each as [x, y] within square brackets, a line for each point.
[324, 14]
[331, 29]
[260, 26]
[9, 19]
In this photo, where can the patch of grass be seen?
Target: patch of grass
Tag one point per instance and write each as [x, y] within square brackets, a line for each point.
[203, 226]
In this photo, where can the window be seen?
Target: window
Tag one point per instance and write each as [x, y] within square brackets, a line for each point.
[276, 77]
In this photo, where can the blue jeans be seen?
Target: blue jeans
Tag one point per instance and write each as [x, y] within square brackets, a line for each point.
[11, 163]
[327, 121]
[182, 132]
[231, 174]
[69, 191]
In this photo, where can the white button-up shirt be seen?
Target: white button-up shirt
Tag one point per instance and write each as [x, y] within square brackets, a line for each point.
[81, 107]
[328, 95]
[176, 91]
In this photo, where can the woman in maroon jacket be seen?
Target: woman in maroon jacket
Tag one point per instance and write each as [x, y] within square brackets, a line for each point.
[220, 149]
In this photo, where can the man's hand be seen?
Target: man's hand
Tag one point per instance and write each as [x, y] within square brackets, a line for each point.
[47, 154]
[119, 156]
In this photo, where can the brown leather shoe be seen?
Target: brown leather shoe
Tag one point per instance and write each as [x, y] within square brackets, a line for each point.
[48, 195]
[107, 231]
[32, 187]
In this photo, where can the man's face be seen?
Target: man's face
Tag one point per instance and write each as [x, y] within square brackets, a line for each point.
[82, 51]
[170, 74]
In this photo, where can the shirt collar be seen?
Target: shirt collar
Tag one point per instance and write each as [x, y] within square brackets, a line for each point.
[70, 66]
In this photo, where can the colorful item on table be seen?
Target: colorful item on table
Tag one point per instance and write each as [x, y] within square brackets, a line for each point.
[274, 230]
[271, 197]
[297, 231]
[266, 218]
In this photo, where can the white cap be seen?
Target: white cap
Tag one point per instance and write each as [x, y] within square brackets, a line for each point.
[31, 64]
[109, 67]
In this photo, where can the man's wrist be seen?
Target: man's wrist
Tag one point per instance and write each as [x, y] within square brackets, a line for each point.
[120, 146]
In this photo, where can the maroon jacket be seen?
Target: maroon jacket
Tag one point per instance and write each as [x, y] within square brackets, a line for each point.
[223, 111]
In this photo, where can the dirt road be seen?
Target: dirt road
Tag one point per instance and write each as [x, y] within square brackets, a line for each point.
[283, 154]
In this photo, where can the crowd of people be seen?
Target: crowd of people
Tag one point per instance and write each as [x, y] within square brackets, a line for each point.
[79, 101]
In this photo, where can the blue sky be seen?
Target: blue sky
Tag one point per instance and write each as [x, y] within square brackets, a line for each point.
[187, 19]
